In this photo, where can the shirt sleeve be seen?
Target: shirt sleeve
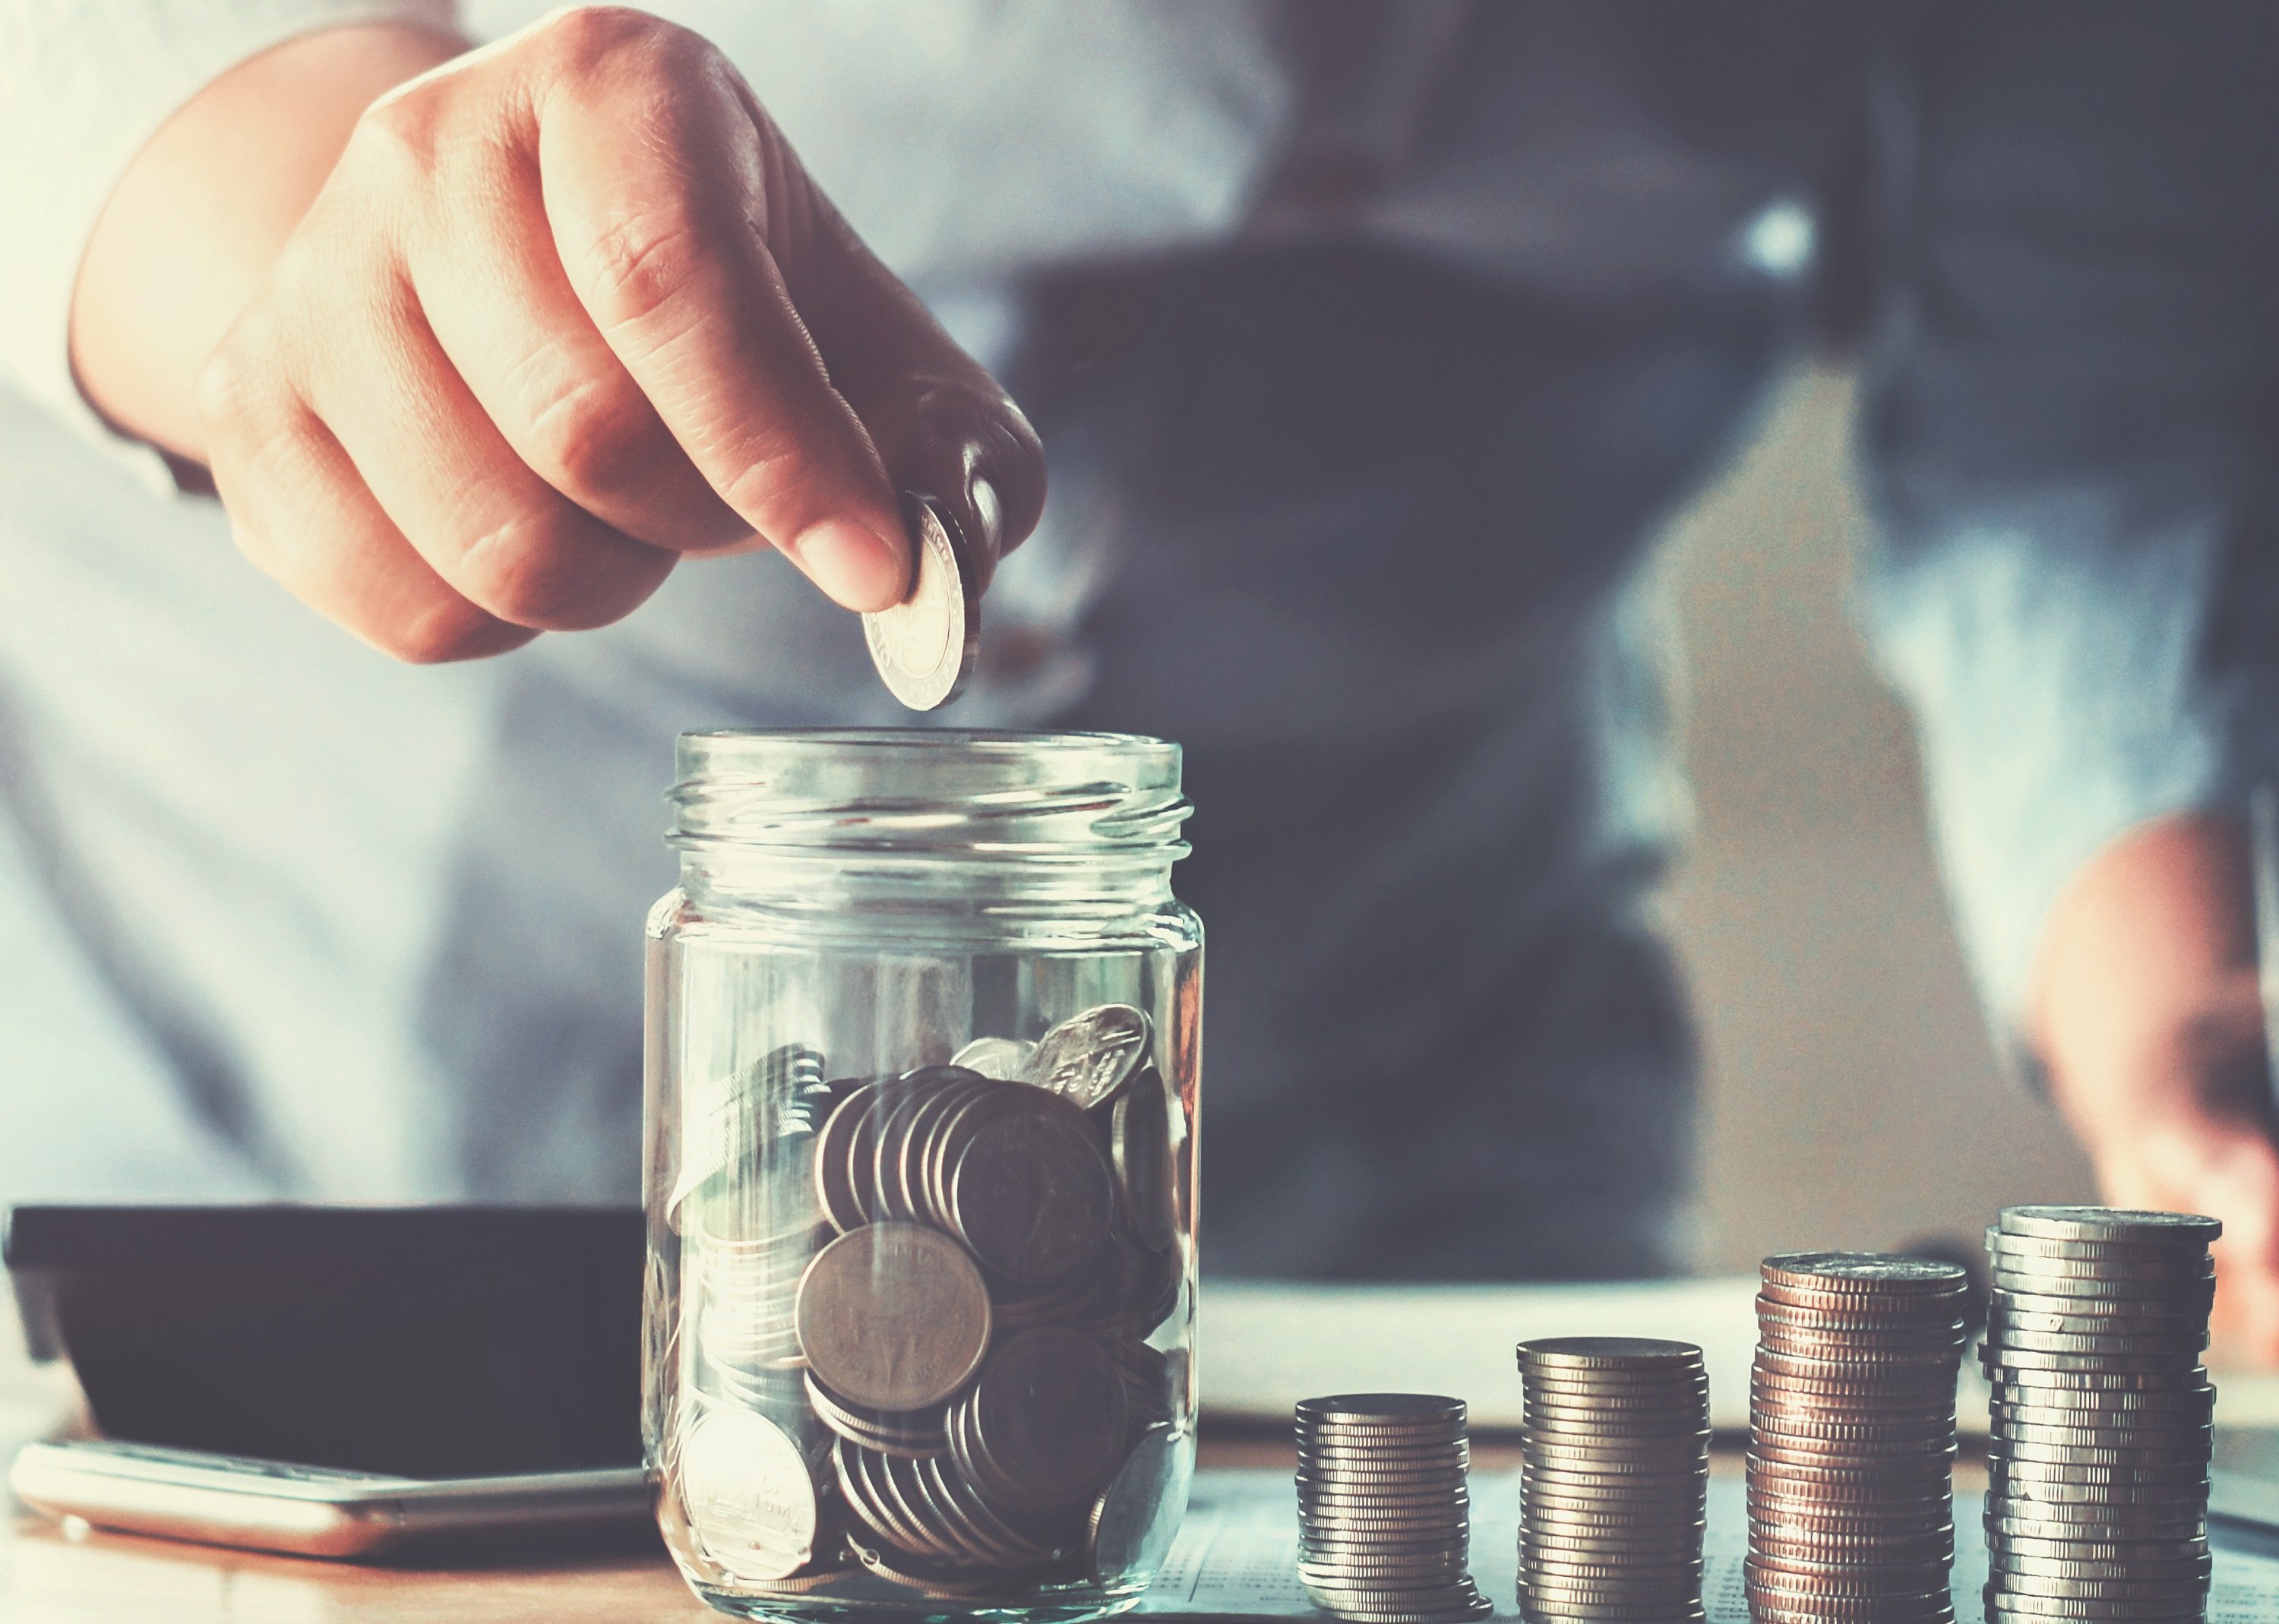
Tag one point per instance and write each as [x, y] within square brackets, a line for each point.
[2069, 442]
[83, 85]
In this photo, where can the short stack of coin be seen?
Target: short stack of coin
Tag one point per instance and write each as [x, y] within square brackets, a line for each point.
[1615, 1478]
[2097, 1492]
[1384, 1509]
[1852, 1439]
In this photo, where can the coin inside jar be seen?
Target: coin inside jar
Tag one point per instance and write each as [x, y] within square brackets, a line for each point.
[1139, 1143]
[1047, 1420]
[1087, 1057]
[1132, 1523]
[894, 1316]
[1030, 1191]
[1001, 1058]
[748, 1495]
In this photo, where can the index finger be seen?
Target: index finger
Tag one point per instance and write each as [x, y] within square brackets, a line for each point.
[662, 193]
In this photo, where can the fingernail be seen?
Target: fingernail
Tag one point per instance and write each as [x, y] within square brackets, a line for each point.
[857, 566]
[990, 511]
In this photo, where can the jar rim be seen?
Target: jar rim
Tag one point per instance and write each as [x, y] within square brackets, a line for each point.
[721, 746]
[939, 793]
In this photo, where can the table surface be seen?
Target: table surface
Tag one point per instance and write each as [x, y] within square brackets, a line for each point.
[48, 1576]
[51, 1576]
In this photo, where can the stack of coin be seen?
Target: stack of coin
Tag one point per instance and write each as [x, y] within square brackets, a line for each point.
[1384, 1509]
[1852, 1439]
[2096, 1486]
[933, 1291]
[751, 1224]
[1615, 1478]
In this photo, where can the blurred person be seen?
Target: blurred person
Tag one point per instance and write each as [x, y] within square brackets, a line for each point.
[1370, 342]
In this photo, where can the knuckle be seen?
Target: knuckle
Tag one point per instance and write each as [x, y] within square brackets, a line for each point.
[522, 571]
[774, 461]
[641, 260]
[592, 38]
[396, 142]
[591, 441]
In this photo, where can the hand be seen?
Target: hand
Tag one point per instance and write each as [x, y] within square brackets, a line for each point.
[2149, 1014]
[565, 309]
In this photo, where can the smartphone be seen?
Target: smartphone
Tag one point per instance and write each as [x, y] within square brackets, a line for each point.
[308, 1511]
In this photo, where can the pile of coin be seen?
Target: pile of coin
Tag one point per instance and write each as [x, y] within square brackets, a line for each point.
[1615, 1478]
[1383, 1508]
[1852, 1439]
[2098, 1467]
[916, 1312]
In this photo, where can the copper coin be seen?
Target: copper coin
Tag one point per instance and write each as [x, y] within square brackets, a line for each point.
[1031, 1192]
[1139, 1142]
[893, 1315]
[1048, 1418]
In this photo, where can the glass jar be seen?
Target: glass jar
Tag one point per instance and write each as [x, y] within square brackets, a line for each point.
[924, 1029]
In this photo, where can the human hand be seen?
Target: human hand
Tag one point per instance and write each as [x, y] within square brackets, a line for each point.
[2149, 1014]
[565, 309]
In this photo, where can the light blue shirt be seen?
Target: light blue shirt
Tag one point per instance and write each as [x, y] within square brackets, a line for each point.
[277, 916]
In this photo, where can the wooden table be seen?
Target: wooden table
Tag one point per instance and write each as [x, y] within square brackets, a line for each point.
[48, 1576]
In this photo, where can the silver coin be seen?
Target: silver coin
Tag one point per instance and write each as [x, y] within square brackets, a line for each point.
[1637, 1536]
[1996, 1359]
[2167, 1379]
[2062, 1342]
[1132, 1522]
[2121, 1293]
[2176, 1254]
[2197, 1397]
[1087, 1057]
[2190, 1271]
[1861, 1271]
[1440, 1565]
[2004, 1604]
[748, 1494]
[2108, 1223]
[1001, 1058]
[2104, 1437]
[924, 646]
[2167, 1557]
[1343, 1477]
[2039, 1520]
[1596, 1354]
[2005, 1318]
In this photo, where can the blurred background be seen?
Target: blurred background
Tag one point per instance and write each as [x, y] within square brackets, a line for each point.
[1851, 1093]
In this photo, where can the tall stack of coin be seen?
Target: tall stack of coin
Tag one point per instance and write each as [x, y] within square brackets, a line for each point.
[1384, 1510]
[919, 1308]
[1852, 1439]
[2096, 1489]
[1615, 1479]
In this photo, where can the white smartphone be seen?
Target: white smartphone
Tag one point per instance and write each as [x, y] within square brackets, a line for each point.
[305, 1511]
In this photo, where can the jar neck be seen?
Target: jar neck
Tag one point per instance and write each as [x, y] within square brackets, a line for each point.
[994, 830]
